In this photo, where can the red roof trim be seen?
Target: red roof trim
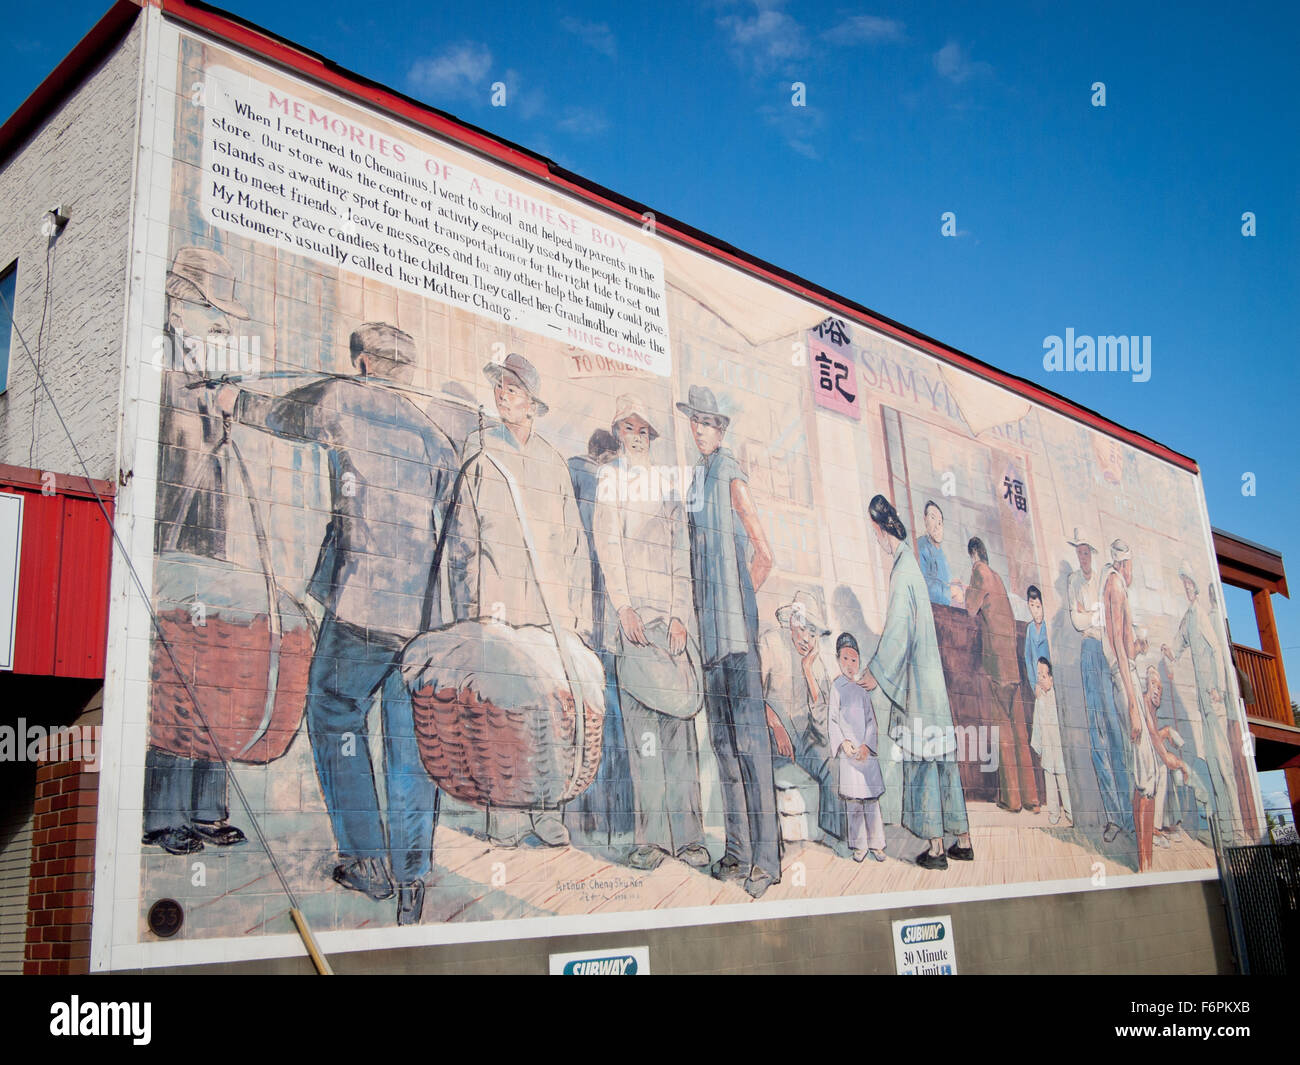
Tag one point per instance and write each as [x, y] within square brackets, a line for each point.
[244, 35]
[63, 81]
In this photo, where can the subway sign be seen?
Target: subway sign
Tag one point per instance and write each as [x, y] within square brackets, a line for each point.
[629, 961]
[923, 946]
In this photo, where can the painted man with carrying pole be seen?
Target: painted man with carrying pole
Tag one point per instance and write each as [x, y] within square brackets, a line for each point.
[391, 471]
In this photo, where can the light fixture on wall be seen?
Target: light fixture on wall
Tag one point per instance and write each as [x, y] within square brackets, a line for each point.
[54, 221]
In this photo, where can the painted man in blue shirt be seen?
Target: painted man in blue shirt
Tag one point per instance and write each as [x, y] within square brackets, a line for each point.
[725, 533]
[934, 565]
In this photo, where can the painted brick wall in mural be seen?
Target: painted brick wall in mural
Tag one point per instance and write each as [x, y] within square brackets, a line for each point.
[521, 563]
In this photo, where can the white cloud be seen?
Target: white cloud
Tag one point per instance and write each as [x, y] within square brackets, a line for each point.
[582, 122]
[597, 35]
[459, 72]
[865, 28]
[463, 74]
[799, 126]
[528, 103]
[954, 63]
[766, 39]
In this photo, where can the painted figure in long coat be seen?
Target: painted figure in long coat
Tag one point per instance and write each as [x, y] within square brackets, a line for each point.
[1107, 731]
[605, 808]
[1196, 634]
[854, 739]
[989, 605]
[643, 546]
[488, 558]
[907, 668]
[730, 560]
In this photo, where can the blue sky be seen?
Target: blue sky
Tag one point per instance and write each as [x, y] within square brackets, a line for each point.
[1117, 220]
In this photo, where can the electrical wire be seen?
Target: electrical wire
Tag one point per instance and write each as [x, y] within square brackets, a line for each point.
[51, 239]
[139, 584]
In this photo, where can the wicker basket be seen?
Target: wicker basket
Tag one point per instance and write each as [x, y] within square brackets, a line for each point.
[233, 688]
[495, 717]
[250, 681]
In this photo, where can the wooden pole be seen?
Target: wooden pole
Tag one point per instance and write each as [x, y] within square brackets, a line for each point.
[309, 941]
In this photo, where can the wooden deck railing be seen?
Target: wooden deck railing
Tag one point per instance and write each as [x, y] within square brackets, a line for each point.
[1260, 669]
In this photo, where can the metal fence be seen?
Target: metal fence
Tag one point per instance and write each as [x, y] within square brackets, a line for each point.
[1265, 881]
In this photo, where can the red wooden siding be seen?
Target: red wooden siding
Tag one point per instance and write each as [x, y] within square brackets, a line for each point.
[62, 622]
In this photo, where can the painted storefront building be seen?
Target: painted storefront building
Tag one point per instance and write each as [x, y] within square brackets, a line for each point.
[515, 569]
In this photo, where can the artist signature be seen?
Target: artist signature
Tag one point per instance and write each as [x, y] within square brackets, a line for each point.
[601, 890]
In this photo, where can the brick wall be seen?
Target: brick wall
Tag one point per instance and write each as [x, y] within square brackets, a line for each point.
[63, 870]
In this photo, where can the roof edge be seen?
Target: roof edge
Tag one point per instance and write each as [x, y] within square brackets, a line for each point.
[242, 34]
[67, 77]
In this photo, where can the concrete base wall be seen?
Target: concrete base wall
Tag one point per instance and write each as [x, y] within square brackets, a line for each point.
[1175, 929]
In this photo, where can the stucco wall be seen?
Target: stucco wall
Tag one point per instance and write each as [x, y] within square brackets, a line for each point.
[79, 158]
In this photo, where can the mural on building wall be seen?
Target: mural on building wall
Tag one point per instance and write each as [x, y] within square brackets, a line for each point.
[510, 562]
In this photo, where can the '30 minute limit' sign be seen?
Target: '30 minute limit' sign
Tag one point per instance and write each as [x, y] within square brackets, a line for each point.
[923, 946]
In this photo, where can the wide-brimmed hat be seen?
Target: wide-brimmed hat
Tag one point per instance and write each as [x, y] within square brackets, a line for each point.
[655, 677]
[524, 372]
[803, 606]
[701, 400]
[627, 406]
[211, 273]
[1081, 538]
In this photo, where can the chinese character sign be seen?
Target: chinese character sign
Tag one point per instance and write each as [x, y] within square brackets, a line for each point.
[834, 379]
[1014, 493]
[834, 331]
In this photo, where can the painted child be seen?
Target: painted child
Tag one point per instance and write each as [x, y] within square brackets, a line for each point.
[1046, 742]
[1035, 635]
[854, 741]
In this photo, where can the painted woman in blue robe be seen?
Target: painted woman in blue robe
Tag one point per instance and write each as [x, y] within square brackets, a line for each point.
[907, 668]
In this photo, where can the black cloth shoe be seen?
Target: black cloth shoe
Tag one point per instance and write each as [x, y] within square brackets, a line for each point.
[366, 875]
[759, 882]
[1112, 830]
[694, 855]
[646, 858]
[962, 854]
[218, 833]
[410, 902]
[926, 860]
[728, 868]
[173, 840]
